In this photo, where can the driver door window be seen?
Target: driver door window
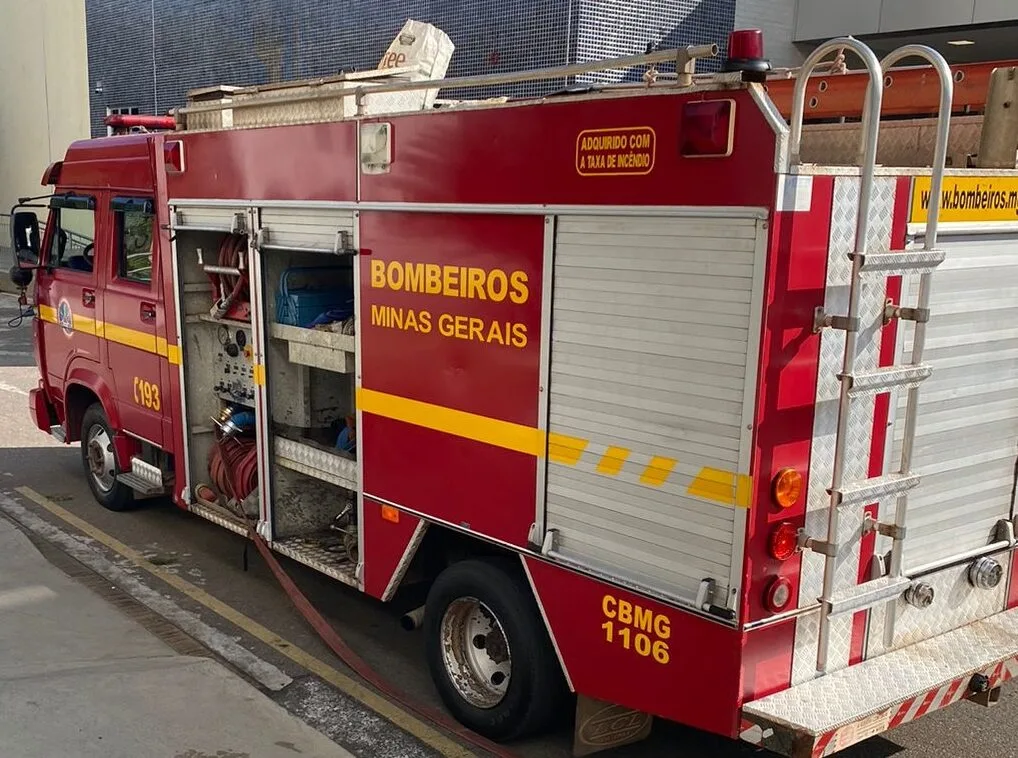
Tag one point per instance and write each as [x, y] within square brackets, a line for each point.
[72, 244]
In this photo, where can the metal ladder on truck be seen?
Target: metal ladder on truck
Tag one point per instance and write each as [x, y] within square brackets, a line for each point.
[854, 384]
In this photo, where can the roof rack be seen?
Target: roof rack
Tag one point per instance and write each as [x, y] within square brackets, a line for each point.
[360, 89]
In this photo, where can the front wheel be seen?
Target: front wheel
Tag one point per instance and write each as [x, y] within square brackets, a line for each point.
[489, 653]
[100, 461]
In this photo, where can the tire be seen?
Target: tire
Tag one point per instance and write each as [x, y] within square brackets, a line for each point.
[503, 697]
[100, 462]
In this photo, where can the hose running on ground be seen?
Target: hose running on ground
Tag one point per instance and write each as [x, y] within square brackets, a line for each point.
[232, 477]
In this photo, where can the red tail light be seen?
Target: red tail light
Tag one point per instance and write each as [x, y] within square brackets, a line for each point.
[784, 541]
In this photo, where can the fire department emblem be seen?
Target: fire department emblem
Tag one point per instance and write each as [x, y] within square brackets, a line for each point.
[65, 318]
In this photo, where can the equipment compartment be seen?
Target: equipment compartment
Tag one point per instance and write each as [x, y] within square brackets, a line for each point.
[310, 368]
[219, 363]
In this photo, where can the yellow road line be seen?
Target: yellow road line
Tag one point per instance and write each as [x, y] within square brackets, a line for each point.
[349, 686]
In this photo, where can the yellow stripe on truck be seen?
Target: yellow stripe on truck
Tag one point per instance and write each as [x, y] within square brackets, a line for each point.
[504, 434]
[715, 485]
[139, 340]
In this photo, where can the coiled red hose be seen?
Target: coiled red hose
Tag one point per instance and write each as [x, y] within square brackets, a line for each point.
[233, 467]
[231, 291]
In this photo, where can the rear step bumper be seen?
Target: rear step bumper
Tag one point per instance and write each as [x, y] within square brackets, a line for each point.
[825, 715]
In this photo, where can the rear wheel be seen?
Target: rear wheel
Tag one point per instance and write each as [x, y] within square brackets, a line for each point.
[489, 653]
[100, 461]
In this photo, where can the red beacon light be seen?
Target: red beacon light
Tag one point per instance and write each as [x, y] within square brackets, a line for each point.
[746, 54]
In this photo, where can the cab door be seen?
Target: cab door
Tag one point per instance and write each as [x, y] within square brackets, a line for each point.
[133, 313]
[67, 292]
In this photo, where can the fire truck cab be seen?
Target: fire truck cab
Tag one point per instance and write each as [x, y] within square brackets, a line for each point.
[681, 401]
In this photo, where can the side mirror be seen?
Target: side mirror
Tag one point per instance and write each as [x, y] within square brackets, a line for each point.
[25, 239]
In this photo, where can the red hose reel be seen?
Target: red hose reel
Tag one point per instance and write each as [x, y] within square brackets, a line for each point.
[233, 467]
[229, 279]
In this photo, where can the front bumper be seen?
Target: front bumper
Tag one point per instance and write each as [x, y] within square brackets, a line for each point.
[828, 714]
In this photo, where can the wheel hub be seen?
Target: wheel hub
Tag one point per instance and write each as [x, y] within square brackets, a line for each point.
[99, 454]
[476, 652]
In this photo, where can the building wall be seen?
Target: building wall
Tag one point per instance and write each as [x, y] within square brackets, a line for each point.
[776, 18]
[615, 28]
[45, 90]
[146, 54]
[830, 18]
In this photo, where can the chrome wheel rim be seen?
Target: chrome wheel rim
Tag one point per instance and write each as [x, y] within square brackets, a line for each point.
[476, 652]
[99, 453]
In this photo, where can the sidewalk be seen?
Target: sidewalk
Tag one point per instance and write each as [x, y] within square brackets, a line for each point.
[78, 679]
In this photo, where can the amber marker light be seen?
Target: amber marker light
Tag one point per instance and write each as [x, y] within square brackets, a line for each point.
[787, 487]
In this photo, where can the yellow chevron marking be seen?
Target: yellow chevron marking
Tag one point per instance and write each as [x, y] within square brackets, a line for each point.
[612, 461]
[658, 471]
[564, 449]
[723, 487]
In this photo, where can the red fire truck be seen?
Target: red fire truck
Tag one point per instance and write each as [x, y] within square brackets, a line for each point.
[689, 410]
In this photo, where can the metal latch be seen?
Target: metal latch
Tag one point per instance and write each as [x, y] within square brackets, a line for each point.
[705, 595]
[870, 524]
[817, 546]
[823, 320]
[892, 311]
[343, 244]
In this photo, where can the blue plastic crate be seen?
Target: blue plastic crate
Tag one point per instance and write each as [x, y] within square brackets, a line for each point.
[305, 294]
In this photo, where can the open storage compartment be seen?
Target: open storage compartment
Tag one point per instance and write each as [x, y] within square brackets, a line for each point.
[218, 362]
[310, 370]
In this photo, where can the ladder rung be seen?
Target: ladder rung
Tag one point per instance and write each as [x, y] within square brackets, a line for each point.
[888, 378]
[868, 491]
[866, 595]
[893, 262]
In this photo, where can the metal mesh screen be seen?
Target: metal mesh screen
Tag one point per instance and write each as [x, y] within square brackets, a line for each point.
[148, 53]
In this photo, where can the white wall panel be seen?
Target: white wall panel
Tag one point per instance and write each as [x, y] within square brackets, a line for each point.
[901, 15]
[823, 19]
[987, 11]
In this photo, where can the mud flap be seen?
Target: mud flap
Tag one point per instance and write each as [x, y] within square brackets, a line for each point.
[601, 726]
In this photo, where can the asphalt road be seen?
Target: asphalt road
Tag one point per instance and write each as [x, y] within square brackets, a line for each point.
[212, 559]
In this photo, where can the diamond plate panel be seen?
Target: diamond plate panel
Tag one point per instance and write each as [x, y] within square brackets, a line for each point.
[866, 491]
[219, 517]
[317, 462]
[902, 143]
[956, 602]
[326, 552]
[844, 696]
[903, 262]
[860, 427]
[892, 377]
